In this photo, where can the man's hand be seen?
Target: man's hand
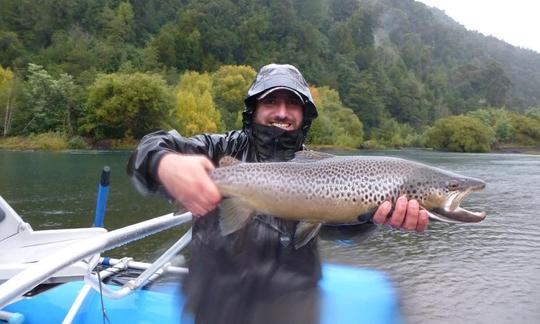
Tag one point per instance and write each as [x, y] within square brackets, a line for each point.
[186, 179]
[407, 215]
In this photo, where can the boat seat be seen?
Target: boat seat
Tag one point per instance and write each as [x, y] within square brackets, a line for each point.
[21, 246]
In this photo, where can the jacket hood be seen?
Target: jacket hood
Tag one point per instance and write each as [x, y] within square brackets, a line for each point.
[283, 76]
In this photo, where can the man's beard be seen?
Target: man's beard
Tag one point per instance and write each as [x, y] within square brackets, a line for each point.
[276, 144]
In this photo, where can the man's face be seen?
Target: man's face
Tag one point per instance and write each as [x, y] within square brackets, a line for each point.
[281, 108]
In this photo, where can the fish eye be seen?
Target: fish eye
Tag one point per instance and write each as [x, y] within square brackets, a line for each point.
[453, 185]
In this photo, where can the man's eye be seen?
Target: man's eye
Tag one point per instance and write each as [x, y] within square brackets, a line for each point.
[268, 101]
[295, 101]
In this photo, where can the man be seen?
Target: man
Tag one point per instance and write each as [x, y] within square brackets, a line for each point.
[259, 261]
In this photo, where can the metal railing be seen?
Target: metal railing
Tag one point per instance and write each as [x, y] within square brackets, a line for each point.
[45, 268]
[159, 266]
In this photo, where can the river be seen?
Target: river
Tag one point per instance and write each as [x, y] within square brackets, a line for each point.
[467, 273]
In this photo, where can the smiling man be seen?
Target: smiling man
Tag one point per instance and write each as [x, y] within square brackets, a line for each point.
[258, 261]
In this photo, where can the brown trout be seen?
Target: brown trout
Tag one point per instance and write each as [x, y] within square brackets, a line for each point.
[318, 188]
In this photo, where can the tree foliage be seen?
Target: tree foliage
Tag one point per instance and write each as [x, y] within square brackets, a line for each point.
[398, 65]
[392, 134]
[126, 105]
[195, 111]
[336, 124]
[460, 134]
[6, 99]
[230, 85]
[510, 127]
[50, 103]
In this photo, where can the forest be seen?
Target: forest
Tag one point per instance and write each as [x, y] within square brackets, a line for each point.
[383, 73]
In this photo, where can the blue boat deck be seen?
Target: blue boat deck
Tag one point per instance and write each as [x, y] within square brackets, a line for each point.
[348, 295]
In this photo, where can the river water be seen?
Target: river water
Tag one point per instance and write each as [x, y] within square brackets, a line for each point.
[467, 273]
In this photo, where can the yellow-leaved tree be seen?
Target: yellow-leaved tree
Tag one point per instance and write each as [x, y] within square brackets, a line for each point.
[6, 98]
[195, 111]
[336, 125]
[231, 83]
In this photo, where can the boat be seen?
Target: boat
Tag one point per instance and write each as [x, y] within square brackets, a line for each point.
[60, 276]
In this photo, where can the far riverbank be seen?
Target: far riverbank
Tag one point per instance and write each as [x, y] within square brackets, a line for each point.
[59, 142]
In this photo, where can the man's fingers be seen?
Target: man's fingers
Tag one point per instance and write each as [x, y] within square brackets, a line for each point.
[197, 210]
[203, 198]
[411, 218]
[187, 179]
[382, 212]
[396, 220]
[209, 193]
[207, 165]
[423, 221]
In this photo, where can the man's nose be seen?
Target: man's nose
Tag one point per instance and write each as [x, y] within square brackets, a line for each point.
[281, 108]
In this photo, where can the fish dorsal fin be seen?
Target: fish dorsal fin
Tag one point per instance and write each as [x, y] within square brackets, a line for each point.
[305, 232]
[310, 156]
[234, 215]
[228, 161]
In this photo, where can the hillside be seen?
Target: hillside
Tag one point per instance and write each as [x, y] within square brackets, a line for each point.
[397, 64]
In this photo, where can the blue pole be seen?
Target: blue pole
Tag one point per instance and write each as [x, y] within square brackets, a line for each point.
[103, 191]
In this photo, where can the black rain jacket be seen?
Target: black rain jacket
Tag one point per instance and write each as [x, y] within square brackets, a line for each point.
[259, 262]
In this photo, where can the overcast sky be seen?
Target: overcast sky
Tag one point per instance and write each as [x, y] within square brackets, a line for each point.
[515, 21]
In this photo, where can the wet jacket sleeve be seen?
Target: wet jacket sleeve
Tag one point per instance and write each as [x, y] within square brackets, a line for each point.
[143, 163]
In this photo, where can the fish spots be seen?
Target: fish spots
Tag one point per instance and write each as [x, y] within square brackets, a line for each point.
[356, 183]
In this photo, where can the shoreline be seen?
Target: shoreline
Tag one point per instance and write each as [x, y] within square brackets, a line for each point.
[517, 149]
[55, 143]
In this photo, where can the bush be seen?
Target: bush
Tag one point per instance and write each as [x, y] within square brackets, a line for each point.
[336, 124]
[526, 129]
[371, 145]
[460, 134]
[511, 127]
[77, 143]
[50, 141]
[391, 134]
[126, 105]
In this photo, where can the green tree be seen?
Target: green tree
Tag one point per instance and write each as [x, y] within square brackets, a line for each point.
[533, 113]
[510, 127]
[363, 98]
[126, 105]
[230, 84]
[195, 111]
[336, 124]
[51, 102]
[7, 85]
[179, 43]
[499, 120]
[120, 23]
[119, 32]
[73, 52]
[460, 134]
[526, 129]
[11, 49]
[391, 133]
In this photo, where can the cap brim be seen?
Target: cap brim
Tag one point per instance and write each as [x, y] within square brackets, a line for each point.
[269, 91]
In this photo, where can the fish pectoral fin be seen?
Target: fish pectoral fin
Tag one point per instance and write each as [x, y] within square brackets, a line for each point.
[234, 215]
[307, 156]
[368, 216]
[228, 161]
[305, 232]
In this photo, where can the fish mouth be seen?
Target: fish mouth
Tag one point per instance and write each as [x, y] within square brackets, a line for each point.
[453, 213]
